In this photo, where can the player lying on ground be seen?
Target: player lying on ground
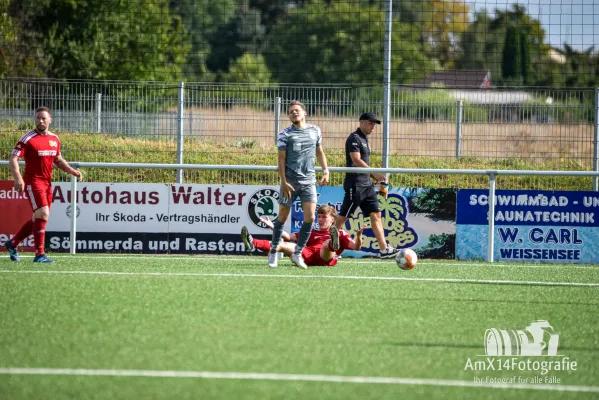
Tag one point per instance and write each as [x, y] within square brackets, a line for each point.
[323, 247]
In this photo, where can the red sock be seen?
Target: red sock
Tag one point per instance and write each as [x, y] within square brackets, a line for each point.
[330, 246]
[263, 245]
[39, 235]
[22, 234]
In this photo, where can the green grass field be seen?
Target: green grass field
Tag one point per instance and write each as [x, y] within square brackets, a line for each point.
[143, 327]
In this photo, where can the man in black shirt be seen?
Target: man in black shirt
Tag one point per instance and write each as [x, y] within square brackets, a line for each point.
[359, 188]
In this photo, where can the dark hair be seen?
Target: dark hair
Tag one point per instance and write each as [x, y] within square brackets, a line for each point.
[296, 103]
[40, 109]
[326, 209]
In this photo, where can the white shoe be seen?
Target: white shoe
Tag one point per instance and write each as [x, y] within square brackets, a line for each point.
[273, 260]
[298, 260]
[389, 252]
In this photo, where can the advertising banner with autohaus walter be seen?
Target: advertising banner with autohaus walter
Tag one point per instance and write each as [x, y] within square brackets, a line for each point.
[155, 218]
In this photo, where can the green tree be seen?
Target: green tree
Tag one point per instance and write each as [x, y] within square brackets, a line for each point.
[272, 10]
[16, 59]
[521, 24]
[112, 39]
[248, 69]
[510, 67]
[439, 246]
[201, 19]
[581, 68]
[247, 77]
[438, 204]
[474, 43]
[341, 43]
[439, 23]
[525, 61]
[243, 33]
[484, 46]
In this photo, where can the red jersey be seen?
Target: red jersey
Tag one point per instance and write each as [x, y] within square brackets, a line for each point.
[39, 152]
[318, 237]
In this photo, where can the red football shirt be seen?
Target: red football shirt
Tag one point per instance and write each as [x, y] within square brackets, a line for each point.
[318, 237]
[39, 152]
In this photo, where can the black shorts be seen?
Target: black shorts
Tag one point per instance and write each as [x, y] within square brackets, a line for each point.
[364, 197]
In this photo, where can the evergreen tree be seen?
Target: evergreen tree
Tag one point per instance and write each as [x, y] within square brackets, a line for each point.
[525, 61]
[510, 66]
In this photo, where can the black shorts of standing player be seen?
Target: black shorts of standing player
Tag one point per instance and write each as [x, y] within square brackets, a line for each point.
[364, 197]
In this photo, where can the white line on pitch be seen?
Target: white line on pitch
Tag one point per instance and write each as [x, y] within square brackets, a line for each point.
[373, 261]
[380, 278]
[292, 377]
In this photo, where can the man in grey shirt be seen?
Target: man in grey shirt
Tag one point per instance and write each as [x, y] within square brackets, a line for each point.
[298, 145]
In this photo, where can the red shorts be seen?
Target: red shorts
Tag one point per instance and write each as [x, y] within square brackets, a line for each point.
[39, 193]
[312, 257]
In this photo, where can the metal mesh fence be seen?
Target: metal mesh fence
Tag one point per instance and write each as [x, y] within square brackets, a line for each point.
[236, 124]
[455, 43]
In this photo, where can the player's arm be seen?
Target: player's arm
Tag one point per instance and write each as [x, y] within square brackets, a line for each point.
[322, 160]
[285, 186]
[356, 243]
[357, 161]
[285, 236]
[13, 164]
[63, 165]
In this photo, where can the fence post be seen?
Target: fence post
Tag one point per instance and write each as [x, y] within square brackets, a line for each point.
[277, 118]
[458, 135]
[73, 214]
[99, 112]
[596, 142]
[491, 218]
[180, 132]
[387, 83]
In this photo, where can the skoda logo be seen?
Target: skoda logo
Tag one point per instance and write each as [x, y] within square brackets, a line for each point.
[263, 203]
[69, 208]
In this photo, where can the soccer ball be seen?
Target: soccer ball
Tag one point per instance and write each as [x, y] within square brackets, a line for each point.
[406, 259]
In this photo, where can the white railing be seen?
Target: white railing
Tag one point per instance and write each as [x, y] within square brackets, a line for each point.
[492, 174]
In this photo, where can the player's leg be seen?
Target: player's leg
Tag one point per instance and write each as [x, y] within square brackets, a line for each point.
[287, 248]
[347, 208]
[304, 233]
[248, 240]
[277, 233]
[314, 256]
[308, 197]
[252, 244]
[370, 206]
[39, 233]
[279, 222]
[22, 234]
[43, 192]
[35, 198]
[329, 248]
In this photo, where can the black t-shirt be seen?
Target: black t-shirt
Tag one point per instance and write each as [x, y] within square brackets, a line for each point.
[357, 142]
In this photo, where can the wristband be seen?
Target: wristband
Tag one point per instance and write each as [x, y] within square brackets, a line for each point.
[325, 171]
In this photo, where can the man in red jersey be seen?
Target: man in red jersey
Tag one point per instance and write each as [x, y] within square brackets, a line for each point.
[324, 244]
[41, 150]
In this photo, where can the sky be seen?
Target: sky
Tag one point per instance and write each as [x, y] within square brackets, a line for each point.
[573, 21]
